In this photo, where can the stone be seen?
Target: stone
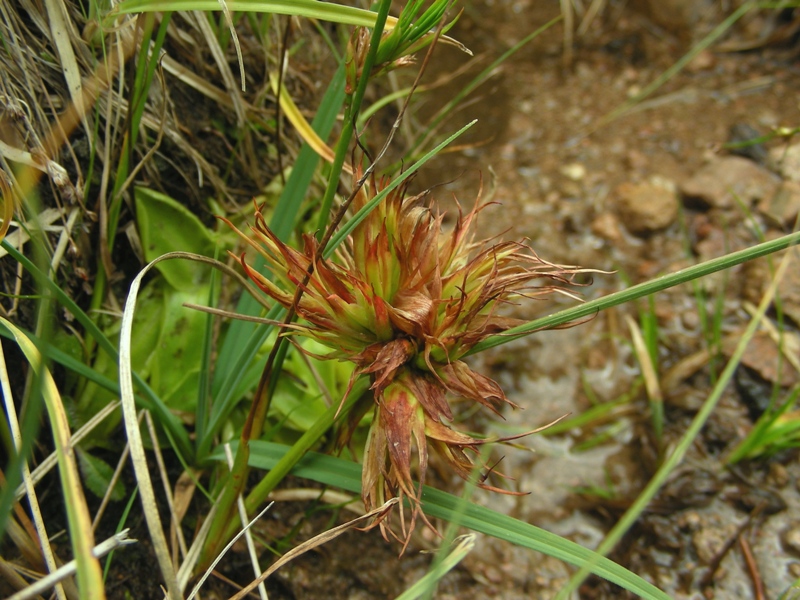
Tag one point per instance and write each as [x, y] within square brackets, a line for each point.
[711, 539]
[606, 225]
[704, 61]
[647, 206]
[791, 539]
[783, 206]
[573, 171]
[728, 179]
[787, 160]
[681, 17]
[758, 275]
[763, 356]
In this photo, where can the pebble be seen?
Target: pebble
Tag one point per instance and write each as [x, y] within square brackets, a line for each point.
[704, 61]
[787, 160]
[709, 540]
[791, 538]
[606, 225]
[646, 207]
[679, 16]
[574, 171]
[778, 475]
[763, 356]
[728, 179]
[784, 205]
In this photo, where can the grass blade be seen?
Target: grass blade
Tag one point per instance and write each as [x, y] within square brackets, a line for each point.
[134, 436]
[346, 475]
[90, 576]
[659, 284]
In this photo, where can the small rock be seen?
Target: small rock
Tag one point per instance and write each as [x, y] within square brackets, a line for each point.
[606, 225]
[710, 540]
[763, 356]
[636, 160]
[681, 17]
[791, 538]
[728, 179]
[778, 475]
[702, 62]
[646, 207]
[794, 569]
[783, 206]
[787, 161]
[758, 274]
[574, 171]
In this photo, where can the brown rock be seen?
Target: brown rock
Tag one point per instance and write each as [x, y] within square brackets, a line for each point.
[606, 225]
[763, 356]
[758, 275]
[679, 16]
[646, 207]
[730, 178]
[702, 62]
[787, 161]
[783, 206]
[791, 539]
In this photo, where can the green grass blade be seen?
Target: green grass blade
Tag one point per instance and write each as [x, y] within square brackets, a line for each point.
[204, 388]
[311, 9]
[352, 108]
[244, 339]
[89, 574]
[65, 360]
[641, 290]
[346, 475]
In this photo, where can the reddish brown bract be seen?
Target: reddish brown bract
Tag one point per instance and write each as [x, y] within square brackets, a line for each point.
[405, 300]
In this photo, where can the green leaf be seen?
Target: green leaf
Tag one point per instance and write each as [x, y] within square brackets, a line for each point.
[167, 226]
[312, 9]
[346, 475]
[97, 476]
[176, 359]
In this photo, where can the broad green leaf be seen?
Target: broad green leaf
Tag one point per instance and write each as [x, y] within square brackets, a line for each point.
[176, 358]
[167, 226]
[97, 475]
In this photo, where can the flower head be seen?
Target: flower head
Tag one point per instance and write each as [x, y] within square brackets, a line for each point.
[405, 300]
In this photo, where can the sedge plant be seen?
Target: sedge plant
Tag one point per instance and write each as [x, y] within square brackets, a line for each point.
[388, 289]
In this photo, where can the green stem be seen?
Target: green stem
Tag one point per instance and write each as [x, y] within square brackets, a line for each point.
[659, 284]
[352, 108]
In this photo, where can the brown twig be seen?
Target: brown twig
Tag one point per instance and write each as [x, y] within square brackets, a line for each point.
[752, 567]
